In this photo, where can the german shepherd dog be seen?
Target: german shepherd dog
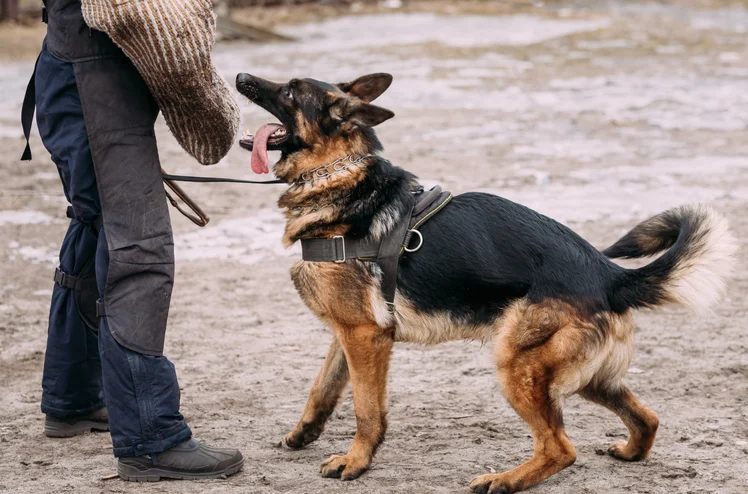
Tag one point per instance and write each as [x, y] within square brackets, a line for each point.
[558, 311]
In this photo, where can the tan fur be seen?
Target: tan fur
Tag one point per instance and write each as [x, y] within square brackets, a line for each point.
[367, 349]
[546, 352]
[412, 326]
[337, 293]
[383, 317]
[594, 350]
[322, 150]
[295, 223]
[306, 203]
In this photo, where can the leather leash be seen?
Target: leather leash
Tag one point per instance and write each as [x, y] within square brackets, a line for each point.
[196, 214]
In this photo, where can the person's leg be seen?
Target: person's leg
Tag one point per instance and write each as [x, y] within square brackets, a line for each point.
[149, 434]
[142, 392]
[71, 383]
[150, 437]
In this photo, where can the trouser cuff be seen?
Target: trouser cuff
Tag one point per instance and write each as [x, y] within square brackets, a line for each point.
[67, 413]
[149, 447]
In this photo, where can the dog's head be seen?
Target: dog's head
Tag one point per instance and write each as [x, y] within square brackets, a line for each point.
[318, 121]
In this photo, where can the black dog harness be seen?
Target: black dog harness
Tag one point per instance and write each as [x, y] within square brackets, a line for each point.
[385, 252]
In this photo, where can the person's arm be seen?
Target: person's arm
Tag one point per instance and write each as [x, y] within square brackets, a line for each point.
[170, 43]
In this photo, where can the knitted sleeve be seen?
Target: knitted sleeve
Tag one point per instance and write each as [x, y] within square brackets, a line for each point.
[169, 42]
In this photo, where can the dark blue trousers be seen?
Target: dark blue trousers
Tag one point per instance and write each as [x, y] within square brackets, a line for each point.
[82, 371]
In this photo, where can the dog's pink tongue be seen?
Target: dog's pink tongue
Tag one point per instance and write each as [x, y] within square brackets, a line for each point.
[260, 148]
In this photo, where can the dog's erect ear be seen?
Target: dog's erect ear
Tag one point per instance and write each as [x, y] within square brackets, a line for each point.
[367, 88]
[349, 112]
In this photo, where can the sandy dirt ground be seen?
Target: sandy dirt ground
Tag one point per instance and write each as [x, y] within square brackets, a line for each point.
[598, 114]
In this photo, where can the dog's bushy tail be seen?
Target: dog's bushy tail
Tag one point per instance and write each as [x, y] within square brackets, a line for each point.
[699, 250]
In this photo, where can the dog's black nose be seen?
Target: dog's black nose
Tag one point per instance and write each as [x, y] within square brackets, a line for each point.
[243, 79]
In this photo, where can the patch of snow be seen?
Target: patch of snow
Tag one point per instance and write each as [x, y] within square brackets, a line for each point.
[247, 240]
[26, 217]
[37, 255]
[457, 30]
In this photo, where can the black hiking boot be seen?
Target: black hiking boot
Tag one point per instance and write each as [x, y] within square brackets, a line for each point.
[97, 421]
[189, 460]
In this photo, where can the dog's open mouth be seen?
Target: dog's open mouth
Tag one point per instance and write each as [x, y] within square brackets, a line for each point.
[269, 137]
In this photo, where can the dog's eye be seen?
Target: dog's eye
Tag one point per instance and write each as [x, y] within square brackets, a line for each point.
[289, 94]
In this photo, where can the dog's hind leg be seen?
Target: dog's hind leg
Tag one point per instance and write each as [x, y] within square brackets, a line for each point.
[324, 396]
[533, 372]
[367, 350]
[530, 398]
[641, 422]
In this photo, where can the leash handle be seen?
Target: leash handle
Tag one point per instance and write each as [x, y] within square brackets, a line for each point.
[197, 216]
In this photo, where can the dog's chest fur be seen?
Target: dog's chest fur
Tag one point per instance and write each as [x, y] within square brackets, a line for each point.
[345, 295]
[349, 295]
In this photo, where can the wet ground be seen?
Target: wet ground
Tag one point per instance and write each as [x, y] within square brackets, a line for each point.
[598, 115]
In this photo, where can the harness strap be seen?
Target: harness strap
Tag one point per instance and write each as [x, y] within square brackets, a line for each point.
[27, 111]
[425, 199]
[389, 258]
[338, 249]
[386, 253]
[65, 280]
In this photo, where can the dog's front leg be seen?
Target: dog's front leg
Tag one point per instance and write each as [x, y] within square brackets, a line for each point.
[323, 397]
[367, 349]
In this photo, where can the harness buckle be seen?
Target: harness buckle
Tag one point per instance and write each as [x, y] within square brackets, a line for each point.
[342, 248]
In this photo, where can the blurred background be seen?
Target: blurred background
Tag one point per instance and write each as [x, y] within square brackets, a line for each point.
[598, 113]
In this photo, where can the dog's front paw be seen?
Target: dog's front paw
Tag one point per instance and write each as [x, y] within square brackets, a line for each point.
[623, 451]
[344, 467]
[302, 435]
[491, 484]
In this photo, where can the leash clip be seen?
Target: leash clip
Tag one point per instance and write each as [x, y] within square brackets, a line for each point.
[342, 244]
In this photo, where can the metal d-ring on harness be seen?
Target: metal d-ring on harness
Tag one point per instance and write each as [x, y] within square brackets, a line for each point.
[385, 252]
[408, 236]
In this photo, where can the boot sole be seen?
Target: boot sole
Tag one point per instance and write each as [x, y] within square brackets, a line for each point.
[133, 474]
[62, 429]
